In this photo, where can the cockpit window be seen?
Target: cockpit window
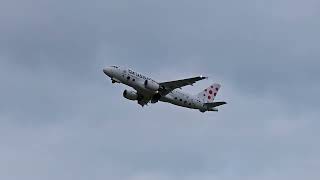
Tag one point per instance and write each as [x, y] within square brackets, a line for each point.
[115, 67]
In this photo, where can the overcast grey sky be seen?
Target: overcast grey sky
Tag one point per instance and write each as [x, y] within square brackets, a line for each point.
[61, 118]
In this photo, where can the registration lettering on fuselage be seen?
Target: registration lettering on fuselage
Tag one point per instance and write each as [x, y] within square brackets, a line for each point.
[139, 75]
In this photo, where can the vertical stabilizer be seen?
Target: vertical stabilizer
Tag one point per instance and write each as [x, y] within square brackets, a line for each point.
[208, 95]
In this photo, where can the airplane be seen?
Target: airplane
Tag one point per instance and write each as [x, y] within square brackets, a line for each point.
[148, 90]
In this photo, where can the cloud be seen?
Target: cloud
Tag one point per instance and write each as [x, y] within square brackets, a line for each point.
[61, 118]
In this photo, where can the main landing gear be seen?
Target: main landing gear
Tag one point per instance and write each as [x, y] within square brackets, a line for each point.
[140, 100]
[141, 103]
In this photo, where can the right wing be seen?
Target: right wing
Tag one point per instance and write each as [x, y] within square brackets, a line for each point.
[169, 86]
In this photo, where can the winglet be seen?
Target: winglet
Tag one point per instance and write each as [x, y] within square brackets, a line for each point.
[204, 77]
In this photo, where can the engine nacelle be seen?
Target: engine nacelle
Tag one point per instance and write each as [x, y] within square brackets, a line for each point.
[152, 86]
[131, 95]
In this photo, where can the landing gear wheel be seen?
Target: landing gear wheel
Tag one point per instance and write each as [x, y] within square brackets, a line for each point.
[141, 103]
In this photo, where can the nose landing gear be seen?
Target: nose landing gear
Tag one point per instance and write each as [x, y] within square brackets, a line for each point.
[113, 80]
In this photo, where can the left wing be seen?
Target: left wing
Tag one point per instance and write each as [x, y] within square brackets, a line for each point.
[167, 87]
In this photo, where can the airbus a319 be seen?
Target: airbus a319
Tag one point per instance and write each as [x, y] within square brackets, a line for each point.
[147, 90]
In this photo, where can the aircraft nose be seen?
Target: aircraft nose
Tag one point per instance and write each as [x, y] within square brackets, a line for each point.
[107, 71]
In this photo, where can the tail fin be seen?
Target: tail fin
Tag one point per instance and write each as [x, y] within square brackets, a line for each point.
[209, 93]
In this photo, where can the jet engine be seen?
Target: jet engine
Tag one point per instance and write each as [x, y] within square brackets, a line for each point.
[152, 86]
[131, 95]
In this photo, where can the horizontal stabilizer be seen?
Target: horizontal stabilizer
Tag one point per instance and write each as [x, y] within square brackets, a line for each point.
[214, 104]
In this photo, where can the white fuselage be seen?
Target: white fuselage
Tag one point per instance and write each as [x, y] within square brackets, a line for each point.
[137, 80]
